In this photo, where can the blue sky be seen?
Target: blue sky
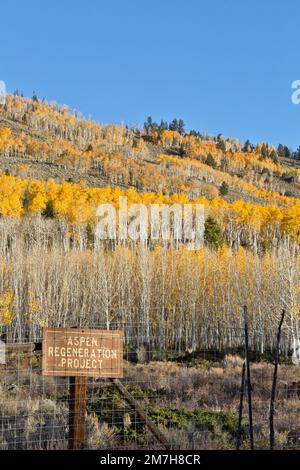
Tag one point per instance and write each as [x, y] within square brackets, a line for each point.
[220, 65]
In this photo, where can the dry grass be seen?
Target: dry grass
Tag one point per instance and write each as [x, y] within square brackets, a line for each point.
[218, 388]
[34, 409]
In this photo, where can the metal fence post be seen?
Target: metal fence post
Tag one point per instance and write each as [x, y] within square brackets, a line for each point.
[249, 386]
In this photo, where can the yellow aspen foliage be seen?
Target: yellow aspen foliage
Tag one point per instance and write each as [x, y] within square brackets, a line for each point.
[77, 203]
[290, 223]
[11, 192]
[34, 314]
[6, 305]
[170, 138]
[197, 168]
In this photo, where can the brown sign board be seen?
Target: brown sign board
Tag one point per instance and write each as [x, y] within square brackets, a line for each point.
[82, 352]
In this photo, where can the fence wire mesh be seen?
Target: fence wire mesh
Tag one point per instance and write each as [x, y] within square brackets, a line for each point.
[192, 397]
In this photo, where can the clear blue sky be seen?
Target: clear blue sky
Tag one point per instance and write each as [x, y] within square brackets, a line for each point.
[221, 65]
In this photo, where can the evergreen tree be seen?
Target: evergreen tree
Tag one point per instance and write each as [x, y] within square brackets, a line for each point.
[173, 126]
[163, 125]
[181, 127]
[221, 145]
[273, 156]
[195, 133]
[287, 152]
[34, 97]
[213, 234]
[224, 189]
[211, 161]
[283, 151]
[26, 200]
[247, 146]
[264, 151]
[48, 212]
[148, 125]
[297, 154]
[90, 235]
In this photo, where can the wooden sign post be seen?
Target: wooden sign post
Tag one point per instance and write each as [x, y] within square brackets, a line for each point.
[81, 353]
[77, 411]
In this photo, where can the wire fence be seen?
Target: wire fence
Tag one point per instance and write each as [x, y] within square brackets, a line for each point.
[193, 399]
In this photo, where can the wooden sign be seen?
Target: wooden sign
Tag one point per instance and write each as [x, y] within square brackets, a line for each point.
[82, 352]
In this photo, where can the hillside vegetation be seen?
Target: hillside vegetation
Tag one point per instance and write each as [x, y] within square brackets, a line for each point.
[57, 167]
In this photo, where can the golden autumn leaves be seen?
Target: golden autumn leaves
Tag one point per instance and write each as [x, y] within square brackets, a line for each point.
[178, 289]
[64, 138]
[77, 203]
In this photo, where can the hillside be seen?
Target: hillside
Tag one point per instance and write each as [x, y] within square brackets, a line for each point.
[58, 167]
[49, 155]
[57, 144]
